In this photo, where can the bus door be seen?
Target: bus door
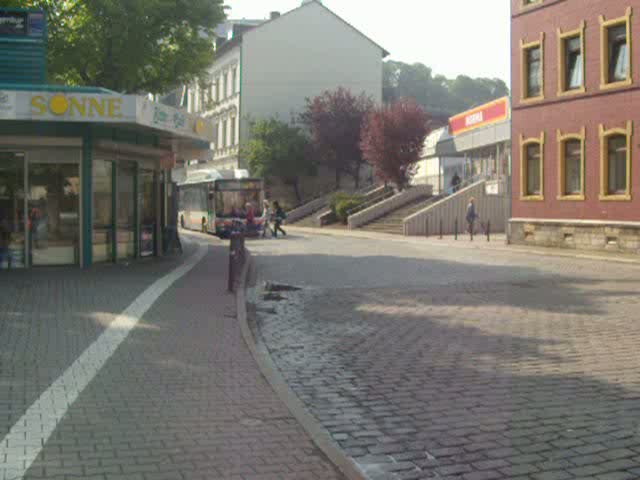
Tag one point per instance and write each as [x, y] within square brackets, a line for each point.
[211, 209]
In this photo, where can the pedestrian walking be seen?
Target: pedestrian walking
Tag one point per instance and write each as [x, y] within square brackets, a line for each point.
[250, 217]
[472, 215]
[455, 182]
[5, 240]
[279, 218]
[266, 215]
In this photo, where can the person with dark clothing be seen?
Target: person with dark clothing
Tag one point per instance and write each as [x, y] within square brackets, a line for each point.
[250, 215]
[455, 182]
[279, 217]
[5, 241]
[250, 218]
[472, 216]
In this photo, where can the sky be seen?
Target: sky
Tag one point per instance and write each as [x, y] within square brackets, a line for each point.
[452, 37]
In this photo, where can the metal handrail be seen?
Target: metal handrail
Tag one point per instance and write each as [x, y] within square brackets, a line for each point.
[362, 191]
[368, 189]
[386, 194]
[464, 184]
[312, 199]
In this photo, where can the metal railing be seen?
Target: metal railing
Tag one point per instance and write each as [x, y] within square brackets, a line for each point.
[485, 228]
[368, 188]
[363, 191]
[309, 200]
[387, 193]
[450, 190]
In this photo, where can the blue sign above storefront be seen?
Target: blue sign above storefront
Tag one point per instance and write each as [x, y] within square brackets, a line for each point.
[37, 25]
[23, 45]
[22, 23]
[13, 24]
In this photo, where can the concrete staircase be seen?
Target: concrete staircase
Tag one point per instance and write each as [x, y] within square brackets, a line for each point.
[393, 222]
[370, 193]
[308, 221]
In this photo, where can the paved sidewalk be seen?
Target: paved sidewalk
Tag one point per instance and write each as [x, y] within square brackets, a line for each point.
[497, 243]
[181, 398]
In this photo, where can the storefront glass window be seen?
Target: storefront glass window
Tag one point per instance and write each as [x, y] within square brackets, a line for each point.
[148, 214]
[126, 217]
[12, 238]
[102, 211]
[54, 221]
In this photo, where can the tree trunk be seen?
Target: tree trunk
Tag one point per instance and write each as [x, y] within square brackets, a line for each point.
[356, 176]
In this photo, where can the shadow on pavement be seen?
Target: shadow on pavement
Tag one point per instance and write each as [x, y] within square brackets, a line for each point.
[466, 368]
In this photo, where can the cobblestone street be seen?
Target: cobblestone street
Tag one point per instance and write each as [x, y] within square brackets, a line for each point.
[459, 363]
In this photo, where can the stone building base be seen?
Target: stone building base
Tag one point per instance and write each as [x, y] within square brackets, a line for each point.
[623, 237]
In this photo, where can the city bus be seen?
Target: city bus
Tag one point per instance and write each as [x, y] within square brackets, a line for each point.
[214, 201]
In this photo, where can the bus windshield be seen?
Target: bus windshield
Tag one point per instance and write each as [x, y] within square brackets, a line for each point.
[231, 204]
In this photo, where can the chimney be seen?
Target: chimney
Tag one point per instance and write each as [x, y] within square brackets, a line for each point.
[274, 15]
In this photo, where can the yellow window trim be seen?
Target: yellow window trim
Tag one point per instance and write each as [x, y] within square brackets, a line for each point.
[562, 70]
[525, 6]
[604, 51]
[562, 139]
[524, 142]
[524, 73]
[604, 161]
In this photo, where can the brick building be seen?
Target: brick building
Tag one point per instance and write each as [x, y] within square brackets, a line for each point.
[575, 87]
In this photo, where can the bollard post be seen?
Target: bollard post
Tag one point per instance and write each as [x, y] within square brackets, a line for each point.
[426, 227]
[440, 228]
[489, 231]
[236, 251]
[456, 230]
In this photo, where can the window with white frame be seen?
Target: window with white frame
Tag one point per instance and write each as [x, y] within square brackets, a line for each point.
[233, 131]
[234, 80]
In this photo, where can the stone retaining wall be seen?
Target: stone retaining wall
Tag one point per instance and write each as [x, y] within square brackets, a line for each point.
[621, 237]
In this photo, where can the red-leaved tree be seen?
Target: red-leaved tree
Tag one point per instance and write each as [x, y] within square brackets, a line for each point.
[334, 120]
[392, 140]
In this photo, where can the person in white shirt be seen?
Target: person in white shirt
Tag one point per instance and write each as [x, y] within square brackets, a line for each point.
[266, 215]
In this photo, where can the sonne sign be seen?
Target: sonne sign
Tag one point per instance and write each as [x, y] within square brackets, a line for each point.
[77, 106]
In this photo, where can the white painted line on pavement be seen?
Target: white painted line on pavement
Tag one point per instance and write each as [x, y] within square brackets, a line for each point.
[27, 437]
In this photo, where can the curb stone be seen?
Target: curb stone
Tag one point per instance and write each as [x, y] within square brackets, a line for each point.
[320, 437]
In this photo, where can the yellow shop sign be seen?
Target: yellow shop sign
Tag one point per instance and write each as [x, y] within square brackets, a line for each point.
[77, 106]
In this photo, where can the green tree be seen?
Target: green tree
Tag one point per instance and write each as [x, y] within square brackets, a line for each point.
[436, 93]
[129, 46]
[277, 150]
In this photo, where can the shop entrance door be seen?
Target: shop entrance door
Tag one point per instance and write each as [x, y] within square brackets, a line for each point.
[103, 228]
[126, 217]
[148, 213]
[12, 208]
[53, 213]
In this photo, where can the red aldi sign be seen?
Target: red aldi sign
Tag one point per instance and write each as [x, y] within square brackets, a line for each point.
[493, 112]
